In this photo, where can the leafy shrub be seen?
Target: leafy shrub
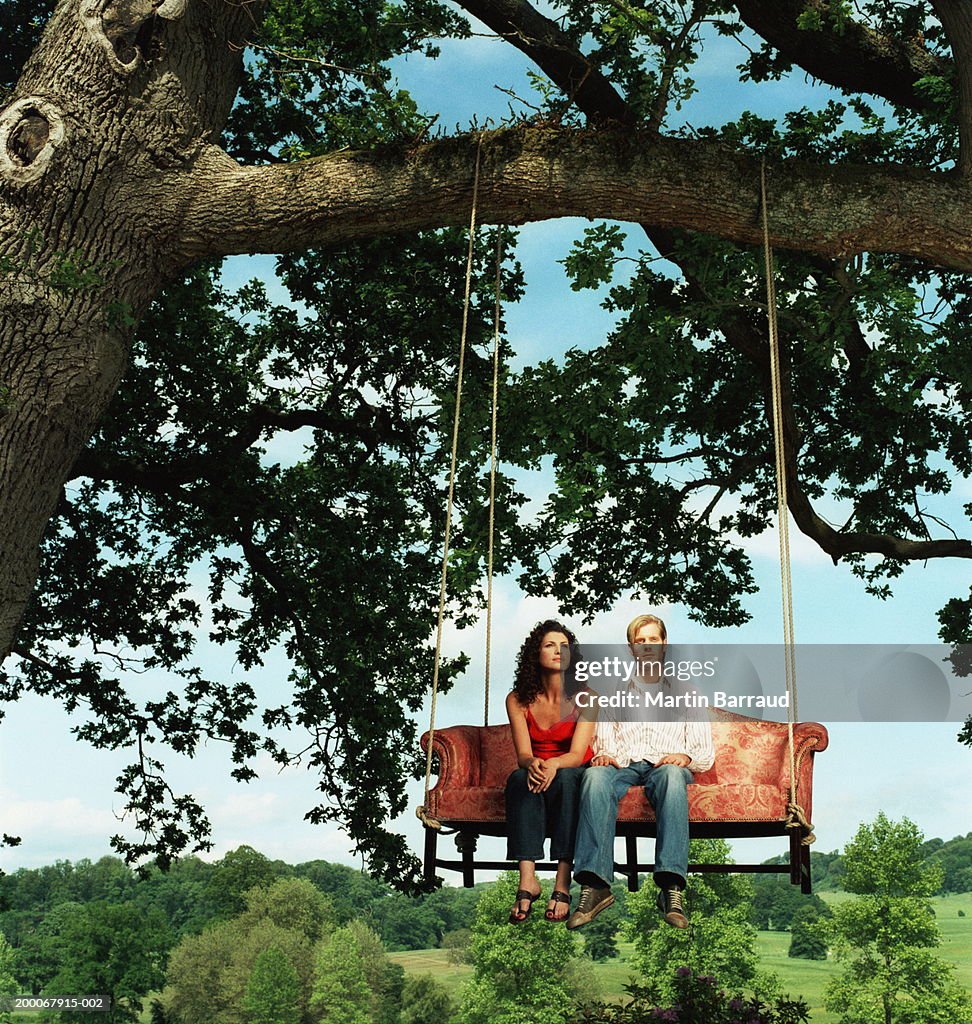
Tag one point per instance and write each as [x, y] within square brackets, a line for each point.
[698, 1000]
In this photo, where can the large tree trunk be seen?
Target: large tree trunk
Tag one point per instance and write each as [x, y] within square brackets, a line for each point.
[114, 99]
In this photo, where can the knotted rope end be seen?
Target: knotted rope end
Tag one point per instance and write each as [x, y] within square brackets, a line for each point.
[796, 817]
[427, 820]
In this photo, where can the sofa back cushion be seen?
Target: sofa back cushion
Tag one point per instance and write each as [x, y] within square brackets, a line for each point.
[497, 758]
[747, 751]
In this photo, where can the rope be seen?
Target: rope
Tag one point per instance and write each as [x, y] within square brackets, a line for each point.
[796, 816]
[421, 812]
[492, 472]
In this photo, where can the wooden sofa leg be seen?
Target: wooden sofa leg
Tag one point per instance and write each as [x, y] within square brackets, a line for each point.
[466, 845]
[806, 882]
[631, 851]
[796, 856]
[431, 839]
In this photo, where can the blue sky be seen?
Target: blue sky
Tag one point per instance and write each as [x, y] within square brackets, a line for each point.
[58, 794]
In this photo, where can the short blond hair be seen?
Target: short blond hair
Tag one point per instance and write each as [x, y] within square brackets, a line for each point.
[643, 620]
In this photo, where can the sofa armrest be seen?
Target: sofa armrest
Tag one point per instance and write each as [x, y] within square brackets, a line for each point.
[457, 748]
[809, 738]
[810, 735]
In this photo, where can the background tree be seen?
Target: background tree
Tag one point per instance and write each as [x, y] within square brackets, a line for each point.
[600, 936]
[955, 860]
[806, 940]
[776, 903]
[240, 872]
[209, 974]
[699, 999]
[425, 1001]
[348, 889]
[341, 993]
[519, 973]
[8, 971]
[458, 943]
[154, 114]
[273, 993]
[182, 894]
[385, 979]
[194, 985]
[111, 950]
[157, 1014]
[293, 903]
[41, 949]
[601, 944]
[252, 938]
[721, 941]
[407, 925]
[885, 937]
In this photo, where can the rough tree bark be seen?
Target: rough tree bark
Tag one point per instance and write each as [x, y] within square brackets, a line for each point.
[118, 99]
[856, 58]
[111, 182]
[956, 19]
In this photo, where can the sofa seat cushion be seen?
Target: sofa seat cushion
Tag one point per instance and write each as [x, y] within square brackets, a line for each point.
[723, 802]
[733, 801]
[470, 803]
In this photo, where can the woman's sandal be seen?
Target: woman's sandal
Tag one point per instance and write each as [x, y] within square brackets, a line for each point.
[518, 916]
[558, 896]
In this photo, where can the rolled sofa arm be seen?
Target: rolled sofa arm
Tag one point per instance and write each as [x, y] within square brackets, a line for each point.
[457, 747]
[809, 738]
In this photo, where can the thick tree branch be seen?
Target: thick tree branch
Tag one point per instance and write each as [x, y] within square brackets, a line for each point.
[546, 45]
[857, 58]
[744, 335]
[373, 428]
[538, 173]
[263, 565]
[956, 18]
[838, 544]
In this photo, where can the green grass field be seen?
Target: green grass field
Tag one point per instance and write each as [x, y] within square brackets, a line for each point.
[806, 978]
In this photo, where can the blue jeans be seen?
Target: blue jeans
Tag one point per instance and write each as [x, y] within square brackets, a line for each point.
[532, 816]
[601, 789]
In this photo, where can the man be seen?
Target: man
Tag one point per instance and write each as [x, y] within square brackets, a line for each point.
[659, 755]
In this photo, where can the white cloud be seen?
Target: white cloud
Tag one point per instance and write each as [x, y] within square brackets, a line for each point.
[252, 808]
[67, 816]
[803, 551]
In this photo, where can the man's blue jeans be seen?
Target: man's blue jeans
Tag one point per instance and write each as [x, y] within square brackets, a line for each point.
[601, 789]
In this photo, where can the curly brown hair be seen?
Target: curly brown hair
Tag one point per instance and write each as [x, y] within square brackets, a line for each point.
[528, 684]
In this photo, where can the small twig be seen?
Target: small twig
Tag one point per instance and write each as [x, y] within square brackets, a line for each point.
[519, 99]
[710, 508]
[359, 72]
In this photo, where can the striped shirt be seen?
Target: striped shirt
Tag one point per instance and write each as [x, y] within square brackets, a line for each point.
[685, 731]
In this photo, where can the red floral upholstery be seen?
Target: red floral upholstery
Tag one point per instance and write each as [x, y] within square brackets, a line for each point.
[749, 782]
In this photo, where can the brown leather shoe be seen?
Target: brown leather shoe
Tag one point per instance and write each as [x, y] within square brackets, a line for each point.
[592, 902]
[671, 907]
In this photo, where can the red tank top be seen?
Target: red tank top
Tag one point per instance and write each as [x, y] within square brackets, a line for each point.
[556, 740]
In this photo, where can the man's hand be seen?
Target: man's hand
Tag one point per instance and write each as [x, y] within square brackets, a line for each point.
[681, 760]
[602, 761]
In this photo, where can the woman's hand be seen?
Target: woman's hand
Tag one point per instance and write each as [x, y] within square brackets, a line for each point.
[602, 761]
[539, 775]
[534, 774]
[547, 773]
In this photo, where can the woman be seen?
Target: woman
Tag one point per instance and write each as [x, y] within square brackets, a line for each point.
[552, 749]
